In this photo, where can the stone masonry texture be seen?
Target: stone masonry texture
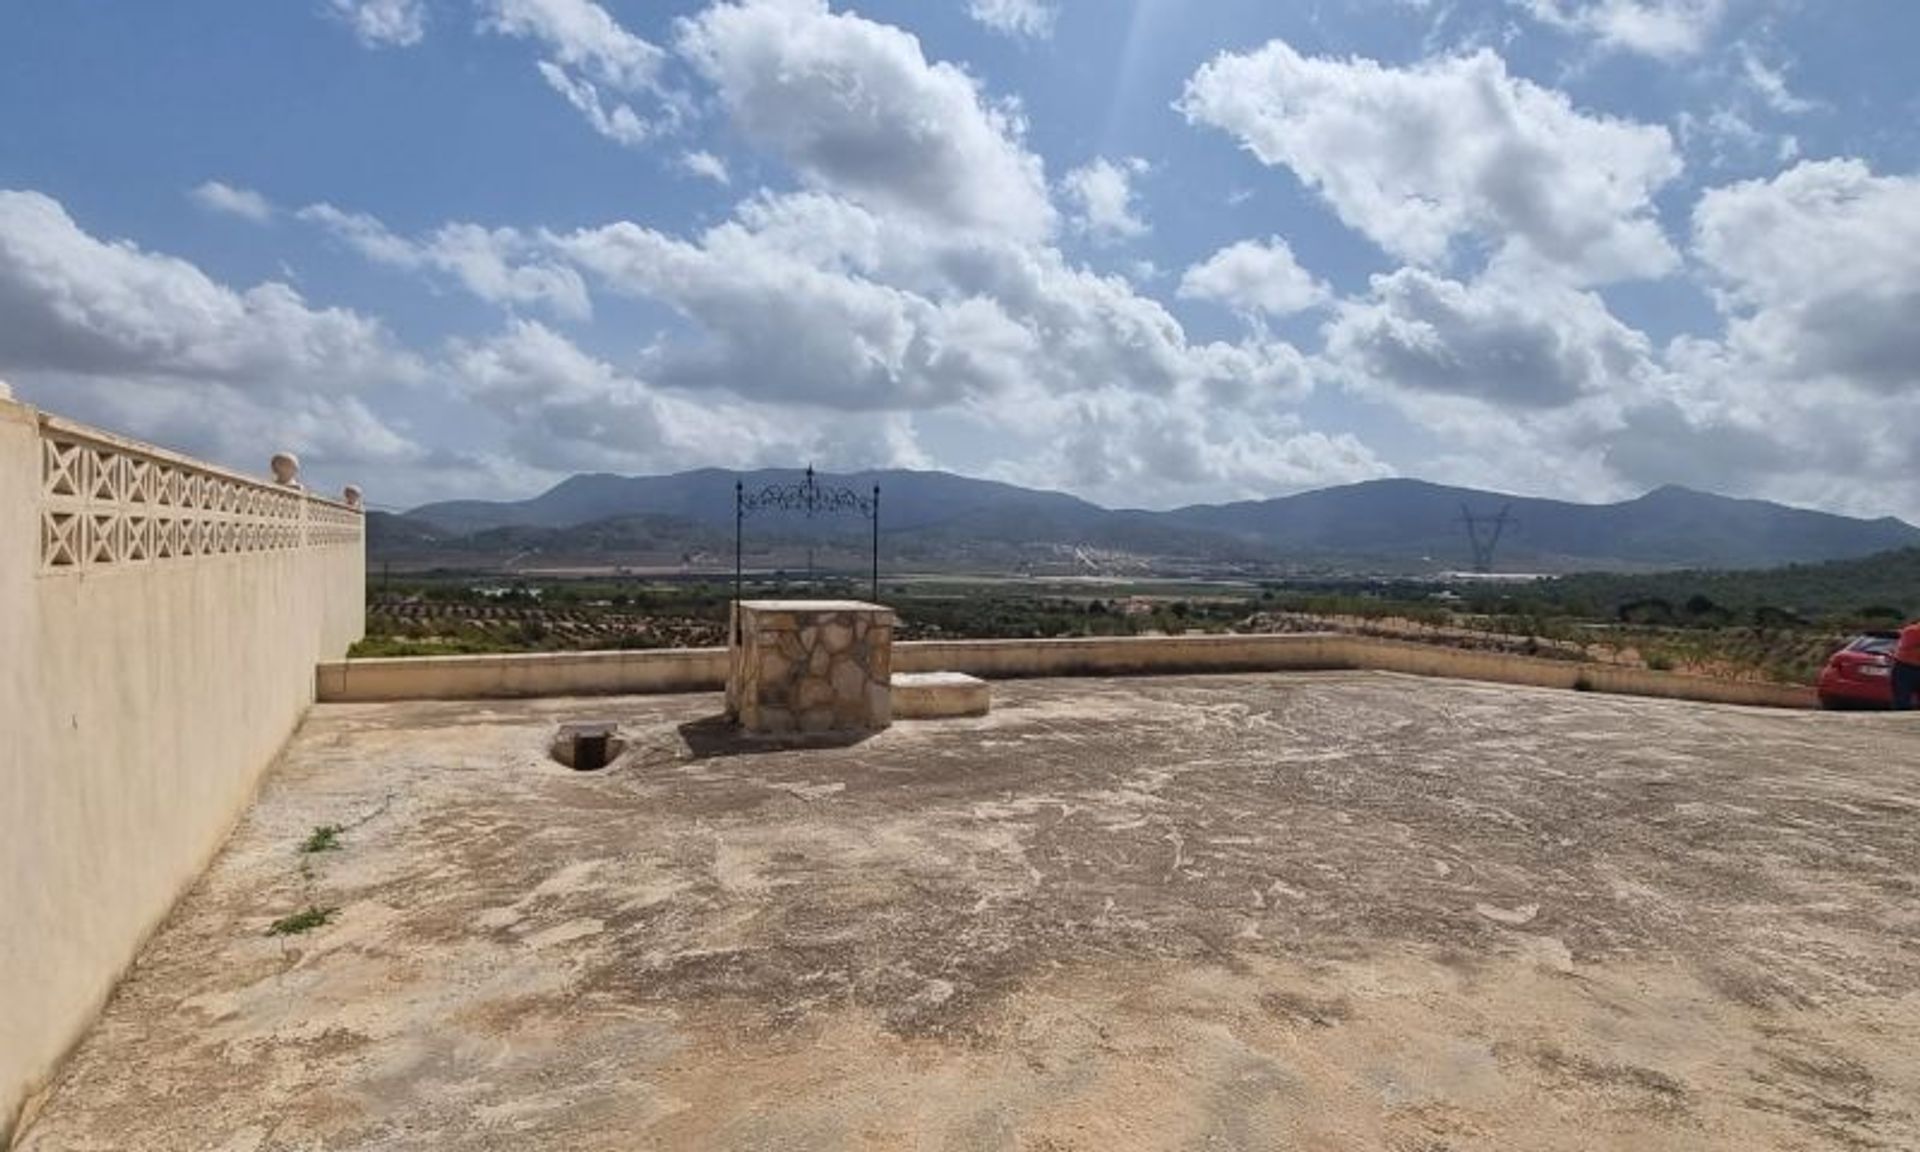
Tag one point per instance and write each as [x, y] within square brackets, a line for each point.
[812, 667]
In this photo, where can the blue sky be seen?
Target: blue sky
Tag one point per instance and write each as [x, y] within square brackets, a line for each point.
[1149, 251]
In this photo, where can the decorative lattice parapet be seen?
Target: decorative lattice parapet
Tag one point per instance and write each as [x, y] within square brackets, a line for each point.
[811, 666]
[106, 501]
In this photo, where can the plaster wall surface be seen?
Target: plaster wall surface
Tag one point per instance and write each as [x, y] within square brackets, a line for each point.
[160, 621]
[1125, 655]
[524, 674]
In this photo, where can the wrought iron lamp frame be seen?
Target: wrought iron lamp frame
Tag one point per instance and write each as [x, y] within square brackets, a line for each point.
[810, 497]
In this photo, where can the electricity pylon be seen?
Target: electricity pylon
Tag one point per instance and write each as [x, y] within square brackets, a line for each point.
[1483, 546]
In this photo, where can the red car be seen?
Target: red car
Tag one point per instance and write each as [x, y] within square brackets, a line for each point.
[1861, 674]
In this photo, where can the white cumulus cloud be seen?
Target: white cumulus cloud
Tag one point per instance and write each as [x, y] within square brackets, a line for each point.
[590, 59]
[1817, 273]
[228, 200]
[707, 166]
[811, 296]
[1513, 345]
[616, 121]
[813, 300]
[1254, 276]
[1028, 19]
[1101, 197]
[1807, 394]
[80, 304]
[1663, 29]
[569, 411]
[383, 23]
[1451, 150]
[1769, 82]
[857, 108]
[1125, 449]
[499, 265]
[582, 36]
[104, 330]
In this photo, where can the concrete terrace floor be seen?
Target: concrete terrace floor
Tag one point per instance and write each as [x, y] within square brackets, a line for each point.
[1292, 911]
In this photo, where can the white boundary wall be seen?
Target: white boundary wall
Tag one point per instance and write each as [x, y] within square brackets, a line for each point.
[160, 620]
[705, 669]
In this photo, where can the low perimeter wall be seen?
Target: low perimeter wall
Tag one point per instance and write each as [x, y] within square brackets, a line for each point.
[705, 669]
[160, 620]
[636, 673]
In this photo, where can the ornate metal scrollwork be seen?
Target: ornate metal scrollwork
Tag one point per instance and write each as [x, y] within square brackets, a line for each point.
[810, 497]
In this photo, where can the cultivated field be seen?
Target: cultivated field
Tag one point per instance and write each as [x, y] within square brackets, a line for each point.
[453, 614]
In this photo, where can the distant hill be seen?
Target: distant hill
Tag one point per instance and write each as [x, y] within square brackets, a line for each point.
[909, 499]
[1395, 520]
[937, 521]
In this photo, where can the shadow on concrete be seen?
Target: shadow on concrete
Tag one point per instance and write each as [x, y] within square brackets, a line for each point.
[711, 737]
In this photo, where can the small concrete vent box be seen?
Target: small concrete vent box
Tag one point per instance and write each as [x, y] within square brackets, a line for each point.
[588, 745]
[811, 666]
[935, 695]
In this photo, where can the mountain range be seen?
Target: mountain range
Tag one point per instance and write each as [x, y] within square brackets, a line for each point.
[941, 522]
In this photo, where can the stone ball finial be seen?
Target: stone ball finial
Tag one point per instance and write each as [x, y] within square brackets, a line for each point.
[352, 495]
[286, 469]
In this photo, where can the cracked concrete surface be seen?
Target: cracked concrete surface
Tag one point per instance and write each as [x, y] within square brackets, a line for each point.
[1290, 911]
